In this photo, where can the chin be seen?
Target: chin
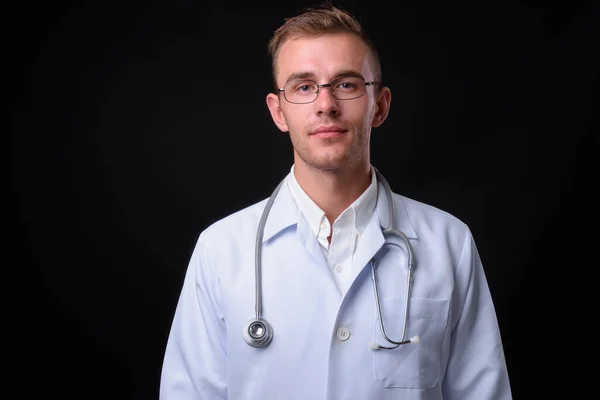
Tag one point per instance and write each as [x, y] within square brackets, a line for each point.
[329, 164]
[326, 159]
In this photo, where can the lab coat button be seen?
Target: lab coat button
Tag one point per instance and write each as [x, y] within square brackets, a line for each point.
[339, 269]
[343, 333]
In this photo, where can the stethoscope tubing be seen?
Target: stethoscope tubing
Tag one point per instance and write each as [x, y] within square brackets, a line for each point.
[378, 303]
[259, 333]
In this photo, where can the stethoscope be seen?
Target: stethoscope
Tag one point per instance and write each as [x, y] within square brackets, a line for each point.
[259, 333]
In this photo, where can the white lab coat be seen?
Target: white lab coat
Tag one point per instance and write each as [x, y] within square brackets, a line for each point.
[460, 354]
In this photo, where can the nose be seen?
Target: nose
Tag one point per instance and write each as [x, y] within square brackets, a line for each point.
[326, 103]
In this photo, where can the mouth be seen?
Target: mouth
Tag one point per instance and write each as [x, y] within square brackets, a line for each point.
[326, 132]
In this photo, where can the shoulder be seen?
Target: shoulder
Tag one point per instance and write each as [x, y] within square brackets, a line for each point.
[419, 209]
[238, 224]
[428, 220]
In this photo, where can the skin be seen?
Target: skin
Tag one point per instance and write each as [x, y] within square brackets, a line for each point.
[334, 171]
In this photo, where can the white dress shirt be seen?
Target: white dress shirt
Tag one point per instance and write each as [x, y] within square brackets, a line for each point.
[347, 227]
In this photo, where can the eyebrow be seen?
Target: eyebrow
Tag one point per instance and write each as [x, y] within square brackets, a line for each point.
[310, 75]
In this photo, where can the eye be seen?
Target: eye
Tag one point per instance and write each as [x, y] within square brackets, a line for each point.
[346, 85]
[302, 87]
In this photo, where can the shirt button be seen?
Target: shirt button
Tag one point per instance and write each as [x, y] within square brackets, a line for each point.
[339, 269]
[343, 333]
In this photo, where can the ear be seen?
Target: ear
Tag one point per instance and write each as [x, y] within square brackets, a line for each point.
[276, 112]
[382, 106]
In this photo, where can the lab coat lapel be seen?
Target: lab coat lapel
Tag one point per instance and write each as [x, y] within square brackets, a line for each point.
[372, 239]
[369, 243]
[285, 213]
[309, 241]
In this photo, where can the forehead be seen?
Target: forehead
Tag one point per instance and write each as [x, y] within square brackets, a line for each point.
[324, 56]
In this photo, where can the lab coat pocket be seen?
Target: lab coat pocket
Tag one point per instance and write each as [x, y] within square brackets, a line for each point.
[413, 365]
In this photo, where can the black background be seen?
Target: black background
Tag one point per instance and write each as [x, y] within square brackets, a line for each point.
[136, 124]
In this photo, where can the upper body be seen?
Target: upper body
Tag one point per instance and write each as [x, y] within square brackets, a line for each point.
[322, 332]
[322, 232]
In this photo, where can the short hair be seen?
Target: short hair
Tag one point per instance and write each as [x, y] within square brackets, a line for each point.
[316, 21]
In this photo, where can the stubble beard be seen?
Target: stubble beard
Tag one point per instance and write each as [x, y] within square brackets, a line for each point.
[306, 154]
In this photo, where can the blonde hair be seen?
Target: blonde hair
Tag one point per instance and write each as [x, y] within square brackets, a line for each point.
[317, 21]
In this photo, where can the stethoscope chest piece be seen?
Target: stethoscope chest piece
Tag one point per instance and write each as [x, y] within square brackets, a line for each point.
[258, 332]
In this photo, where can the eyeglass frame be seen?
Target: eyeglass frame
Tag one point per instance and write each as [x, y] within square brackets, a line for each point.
[328, 85]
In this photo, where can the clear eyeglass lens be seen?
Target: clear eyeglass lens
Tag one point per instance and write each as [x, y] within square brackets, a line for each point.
[306, 91]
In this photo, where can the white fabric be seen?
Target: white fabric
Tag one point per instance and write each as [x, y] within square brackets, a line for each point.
[347, 228]
[321, 344]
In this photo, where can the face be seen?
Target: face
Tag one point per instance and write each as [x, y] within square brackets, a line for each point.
[328, 134]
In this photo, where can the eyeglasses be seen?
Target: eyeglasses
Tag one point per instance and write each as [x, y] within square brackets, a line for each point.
[302, 91]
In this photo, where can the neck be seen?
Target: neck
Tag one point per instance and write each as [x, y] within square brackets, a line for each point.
[333, 191]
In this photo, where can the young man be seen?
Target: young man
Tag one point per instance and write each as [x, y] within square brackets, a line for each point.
[331, 332]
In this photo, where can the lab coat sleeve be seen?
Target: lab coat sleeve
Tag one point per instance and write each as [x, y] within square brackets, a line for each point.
[476, 368]
[194, 365]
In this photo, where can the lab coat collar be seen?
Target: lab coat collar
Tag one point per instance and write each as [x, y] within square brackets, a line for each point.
[402, 218]
[285, 213]
[373, 239]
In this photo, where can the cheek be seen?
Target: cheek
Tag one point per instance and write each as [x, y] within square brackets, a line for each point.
[364, 115]
[295, 119]
[371, 113]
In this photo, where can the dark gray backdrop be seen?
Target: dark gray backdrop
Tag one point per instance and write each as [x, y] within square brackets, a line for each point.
[136, 124]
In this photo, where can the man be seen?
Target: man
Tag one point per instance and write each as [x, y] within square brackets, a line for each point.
[324, 336]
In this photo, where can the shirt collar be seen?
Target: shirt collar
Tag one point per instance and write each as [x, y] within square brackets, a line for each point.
[360, 211]
[285, 213]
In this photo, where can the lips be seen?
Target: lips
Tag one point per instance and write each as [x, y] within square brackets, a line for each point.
[328, 131]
